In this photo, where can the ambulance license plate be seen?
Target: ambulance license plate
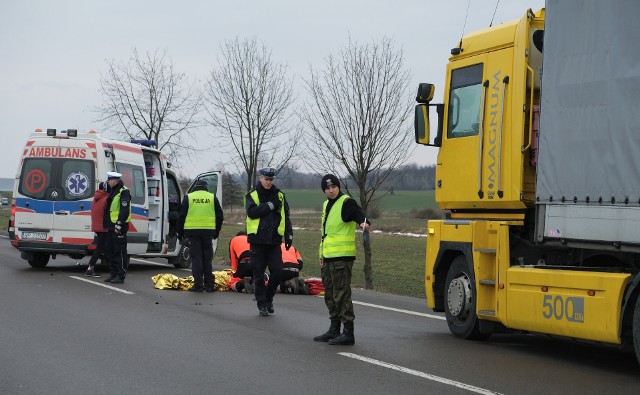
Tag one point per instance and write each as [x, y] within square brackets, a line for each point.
[34, 235]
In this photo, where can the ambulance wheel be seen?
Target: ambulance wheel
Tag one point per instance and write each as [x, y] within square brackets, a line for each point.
[460, 302]
[183, 260]
[39, 260]
[636, 329]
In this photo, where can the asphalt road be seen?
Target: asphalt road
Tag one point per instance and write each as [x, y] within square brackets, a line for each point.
[64, 333]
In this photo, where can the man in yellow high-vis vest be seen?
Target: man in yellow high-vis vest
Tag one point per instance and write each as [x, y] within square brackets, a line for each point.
[199, 221]
[268, 223]
[116, 221]
[340, 214]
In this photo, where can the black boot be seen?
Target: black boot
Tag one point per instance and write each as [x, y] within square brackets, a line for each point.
[346, 338]
[333, 332]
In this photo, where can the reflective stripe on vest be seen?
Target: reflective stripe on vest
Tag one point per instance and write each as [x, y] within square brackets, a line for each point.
[254, 224]
[202, 212]
[339, 236]
[114, 209]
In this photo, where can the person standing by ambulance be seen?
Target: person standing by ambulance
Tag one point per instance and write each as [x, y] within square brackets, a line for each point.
[116, 222]
[268, 223]
[340, 214]
[200, 220]
[97, 226]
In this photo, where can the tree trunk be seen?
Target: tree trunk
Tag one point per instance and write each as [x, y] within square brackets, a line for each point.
[368, 270]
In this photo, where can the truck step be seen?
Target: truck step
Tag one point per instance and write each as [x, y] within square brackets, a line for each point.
[487, 282]
[485, 250]
[490, 313]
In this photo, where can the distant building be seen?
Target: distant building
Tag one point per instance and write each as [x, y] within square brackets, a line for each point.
[6, 184]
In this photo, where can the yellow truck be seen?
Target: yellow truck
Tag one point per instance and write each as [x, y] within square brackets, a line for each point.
[538, 174]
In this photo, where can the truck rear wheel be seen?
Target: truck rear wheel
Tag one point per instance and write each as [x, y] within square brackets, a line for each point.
[39, 260]
[636, 329]
[183, 260]
[460, 306]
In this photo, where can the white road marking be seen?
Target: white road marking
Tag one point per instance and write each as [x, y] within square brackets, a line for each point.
[156, 263]
[437, 317]
[418, 373]
[5, 237]
[102, 285]
[148, 262]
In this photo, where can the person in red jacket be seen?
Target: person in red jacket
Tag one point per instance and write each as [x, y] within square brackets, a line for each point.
[97, 226]
[241, 267]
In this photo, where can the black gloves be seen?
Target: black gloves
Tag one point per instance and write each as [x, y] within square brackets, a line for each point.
[275, 202]
[288, 242]
[179, 236]
[216, 233]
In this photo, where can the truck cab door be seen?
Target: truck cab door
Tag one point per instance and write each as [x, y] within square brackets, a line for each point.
[477, 162]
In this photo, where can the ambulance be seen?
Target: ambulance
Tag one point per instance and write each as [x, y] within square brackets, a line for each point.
[60, 171]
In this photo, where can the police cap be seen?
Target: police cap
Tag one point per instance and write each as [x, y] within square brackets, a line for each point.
[112, 175]
[268, 172]
[201, 183]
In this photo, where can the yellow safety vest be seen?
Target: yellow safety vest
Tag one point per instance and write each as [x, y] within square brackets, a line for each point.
[202, 212]
[253, 224]
[339, 236]
[114, 209]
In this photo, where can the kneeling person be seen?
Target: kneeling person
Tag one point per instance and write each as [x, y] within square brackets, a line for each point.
[241, 266]
[291, 267]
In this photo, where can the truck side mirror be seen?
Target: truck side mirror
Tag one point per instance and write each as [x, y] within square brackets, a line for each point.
[421, 123]
[421, 116]
[425, 93]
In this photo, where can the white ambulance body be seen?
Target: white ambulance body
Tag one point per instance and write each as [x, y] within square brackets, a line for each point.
[58, 175]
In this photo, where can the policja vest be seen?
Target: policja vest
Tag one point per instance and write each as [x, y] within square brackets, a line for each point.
[114, 209]
[253, 224]
[201, 213]
[338, 237]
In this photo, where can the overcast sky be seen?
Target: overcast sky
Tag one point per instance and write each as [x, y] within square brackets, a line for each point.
[52, 52]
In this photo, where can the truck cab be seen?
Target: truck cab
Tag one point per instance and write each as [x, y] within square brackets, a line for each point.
[535, 177]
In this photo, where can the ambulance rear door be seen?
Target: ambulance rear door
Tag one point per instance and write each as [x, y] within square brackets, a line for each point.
[128, 160]
[33, 210]
[72, 190]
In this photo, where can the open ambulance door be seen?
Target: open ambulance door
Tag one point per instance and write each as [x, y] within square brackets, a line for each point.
[129, 162]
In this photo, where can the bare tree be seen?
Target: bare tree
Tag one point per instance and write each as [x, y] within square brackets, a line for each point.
[146, 98]
[357, 120]
[249, 98]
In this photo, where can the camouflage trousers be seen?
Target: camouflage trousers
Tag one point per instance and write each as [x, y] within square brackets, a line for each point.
[336, 278]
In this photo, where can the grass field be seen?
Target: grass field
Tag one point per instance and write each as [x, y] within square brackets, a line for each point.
[400, 201]
[397, 260]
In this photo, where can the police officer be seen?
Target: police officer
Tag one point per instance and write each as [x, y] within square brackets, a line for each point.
[116, 222]
[199, 221]
[268, 223]
[340, 214]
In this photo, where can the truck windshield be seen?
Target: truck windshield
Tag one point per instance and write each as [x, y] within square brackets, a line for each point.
[464, 101]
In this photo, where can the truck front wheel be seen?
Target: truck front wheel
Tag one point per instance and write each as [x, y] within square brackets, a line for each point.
[636, 329]
[460, 306]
